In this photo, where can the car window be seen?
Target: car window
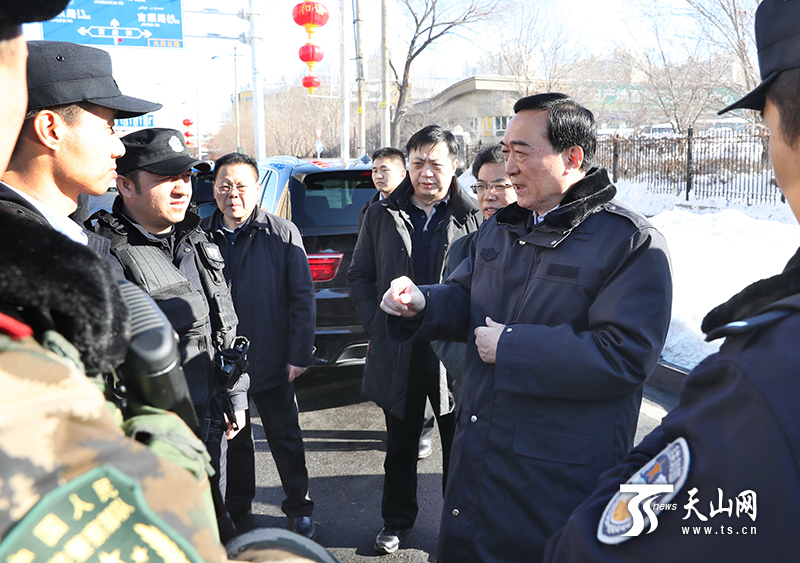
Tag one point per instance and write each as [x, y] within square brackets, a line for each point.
[331, 199]
[269, 188]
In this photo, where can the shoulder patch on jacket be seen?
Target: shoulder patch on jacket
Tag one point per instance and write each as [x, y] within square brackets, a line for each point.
[101, 515]
[649, 490]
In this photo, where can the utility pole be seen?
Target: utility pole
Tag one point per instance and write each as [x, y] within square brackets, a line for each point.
[362, 126]
[386, 124]
[236, 97]
[258, 96]
[345, 91]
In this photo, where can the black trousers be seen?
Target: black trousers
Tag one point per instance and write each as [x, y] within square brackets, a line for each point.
[212, 422]
[399, 506]
[241, 489]
[277, 408]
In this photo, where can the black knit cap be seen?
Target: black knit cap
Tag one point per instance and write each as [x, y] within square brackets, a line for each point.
[17, 12]
[157, 150]
[66, 73]
[778, 42]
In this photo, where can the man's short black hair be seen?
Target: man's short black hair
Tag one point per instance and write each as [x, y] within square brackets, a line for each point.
[489, 155]
[433, 134]
[784, 92]
[568, 123]
[235, 158]
[390, 152]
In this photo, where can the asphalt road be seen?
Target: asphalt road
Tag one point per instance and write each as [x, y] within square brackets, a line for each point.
[343, 436]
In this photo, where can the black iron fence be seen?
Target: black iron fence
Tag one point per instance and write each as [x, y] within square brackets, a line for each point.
[728, 164]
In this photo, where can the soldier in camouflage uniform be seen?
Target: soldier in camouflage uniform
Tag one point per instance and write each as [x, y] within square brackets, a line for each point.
[72, 485]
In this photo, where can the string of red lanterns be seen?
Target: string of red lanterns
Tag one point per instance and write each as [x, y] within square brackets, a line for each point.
[310, 15]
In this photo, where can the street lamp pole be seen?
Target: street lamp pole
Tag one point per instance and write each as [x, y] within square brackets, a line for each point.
[345, 90]
[236, 97]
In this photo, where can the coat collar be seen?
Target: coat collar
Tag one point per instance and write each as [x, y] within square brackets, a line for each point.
[581, 200]
[460, 205]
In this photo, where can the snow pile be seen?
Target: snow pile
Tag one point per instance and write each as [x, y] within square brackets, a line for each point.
[717, 249]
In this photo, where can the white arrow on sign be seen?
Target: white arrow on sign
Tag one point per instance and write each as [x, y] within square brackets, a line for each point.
[100, 31]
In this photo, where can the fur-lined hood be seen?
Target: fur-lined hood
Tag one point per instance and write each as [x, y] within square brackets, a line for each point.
[52, 283]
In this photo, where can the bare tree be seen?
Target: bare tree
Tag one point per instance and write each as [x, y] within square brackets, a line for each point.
[538, 51]
[727, 26]
[678, 73]
[431, 20]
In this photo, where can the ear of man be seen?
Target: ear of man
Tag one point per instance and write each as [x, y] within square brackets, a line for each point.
[126, 187]
[573, 157]
[49, 128]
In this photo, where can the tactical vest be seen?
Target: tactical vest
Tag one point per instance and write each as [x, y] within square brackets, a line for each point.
[188, 310]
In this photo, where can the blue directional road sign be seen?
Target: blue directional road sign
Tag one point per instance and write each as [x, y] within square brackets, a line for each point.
[140, 121]
[124, 23]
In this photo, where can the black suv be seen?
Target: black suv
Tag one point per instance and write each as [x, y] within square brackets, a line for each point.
[323, 199]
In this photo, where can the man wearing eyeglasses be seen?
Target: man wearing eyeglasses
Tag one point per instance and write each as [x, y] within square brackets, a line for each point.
[159, 245]
[267, 267]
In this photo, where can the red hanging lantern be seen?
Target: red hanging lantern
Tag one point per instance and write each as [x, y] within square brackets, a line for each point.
[311, 54]
[310, 15]
[311, 82]
[188, 122]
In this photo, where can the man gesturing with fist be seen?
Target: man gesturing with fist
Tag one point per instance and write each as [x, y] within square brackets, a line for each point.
[564, 302]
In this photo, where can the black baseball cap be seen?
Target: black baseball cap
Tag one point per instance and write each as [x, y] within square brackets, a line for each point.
[17, 12]
[66, 73]
[778, 43]
[158, 150]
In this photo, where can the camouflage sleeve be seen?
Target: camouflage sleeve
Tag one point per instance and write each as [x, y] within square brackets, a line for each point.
[73, 487]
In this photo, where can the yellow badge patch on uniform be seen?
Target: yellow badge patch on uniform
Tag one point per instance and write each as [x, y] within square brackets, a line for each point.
[649, 490]
[99, 517]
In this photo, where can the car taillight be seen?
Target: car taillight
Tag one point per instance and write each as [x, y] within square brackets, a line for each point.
[324, 266]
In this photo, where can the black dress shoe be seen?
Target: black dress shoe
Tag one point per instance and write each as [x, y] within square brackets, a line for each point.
[425, 448]
[388, 540]
[304, 526]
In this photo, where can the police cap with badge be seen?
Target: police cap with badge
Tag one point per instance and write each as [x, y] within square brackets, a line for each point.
[159, 151]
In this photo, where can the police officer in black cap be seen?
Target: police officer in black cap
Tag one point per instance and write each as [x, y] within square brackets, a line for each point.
[718, 480]
[160, 247]
[67, 146]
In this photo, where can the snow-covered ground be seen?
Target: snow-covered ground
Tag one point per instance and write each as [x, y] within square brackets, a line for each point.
[717, 249]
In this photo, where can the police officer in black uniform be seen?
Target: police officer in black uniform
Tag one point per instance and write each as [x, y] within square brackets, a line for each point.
[160, 247]
[718, 480]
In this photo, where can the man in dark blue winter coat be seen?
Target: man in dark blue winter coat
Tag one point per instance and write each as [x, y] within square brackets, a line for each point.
[718, 480]
[273, 292]
[564, 304]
